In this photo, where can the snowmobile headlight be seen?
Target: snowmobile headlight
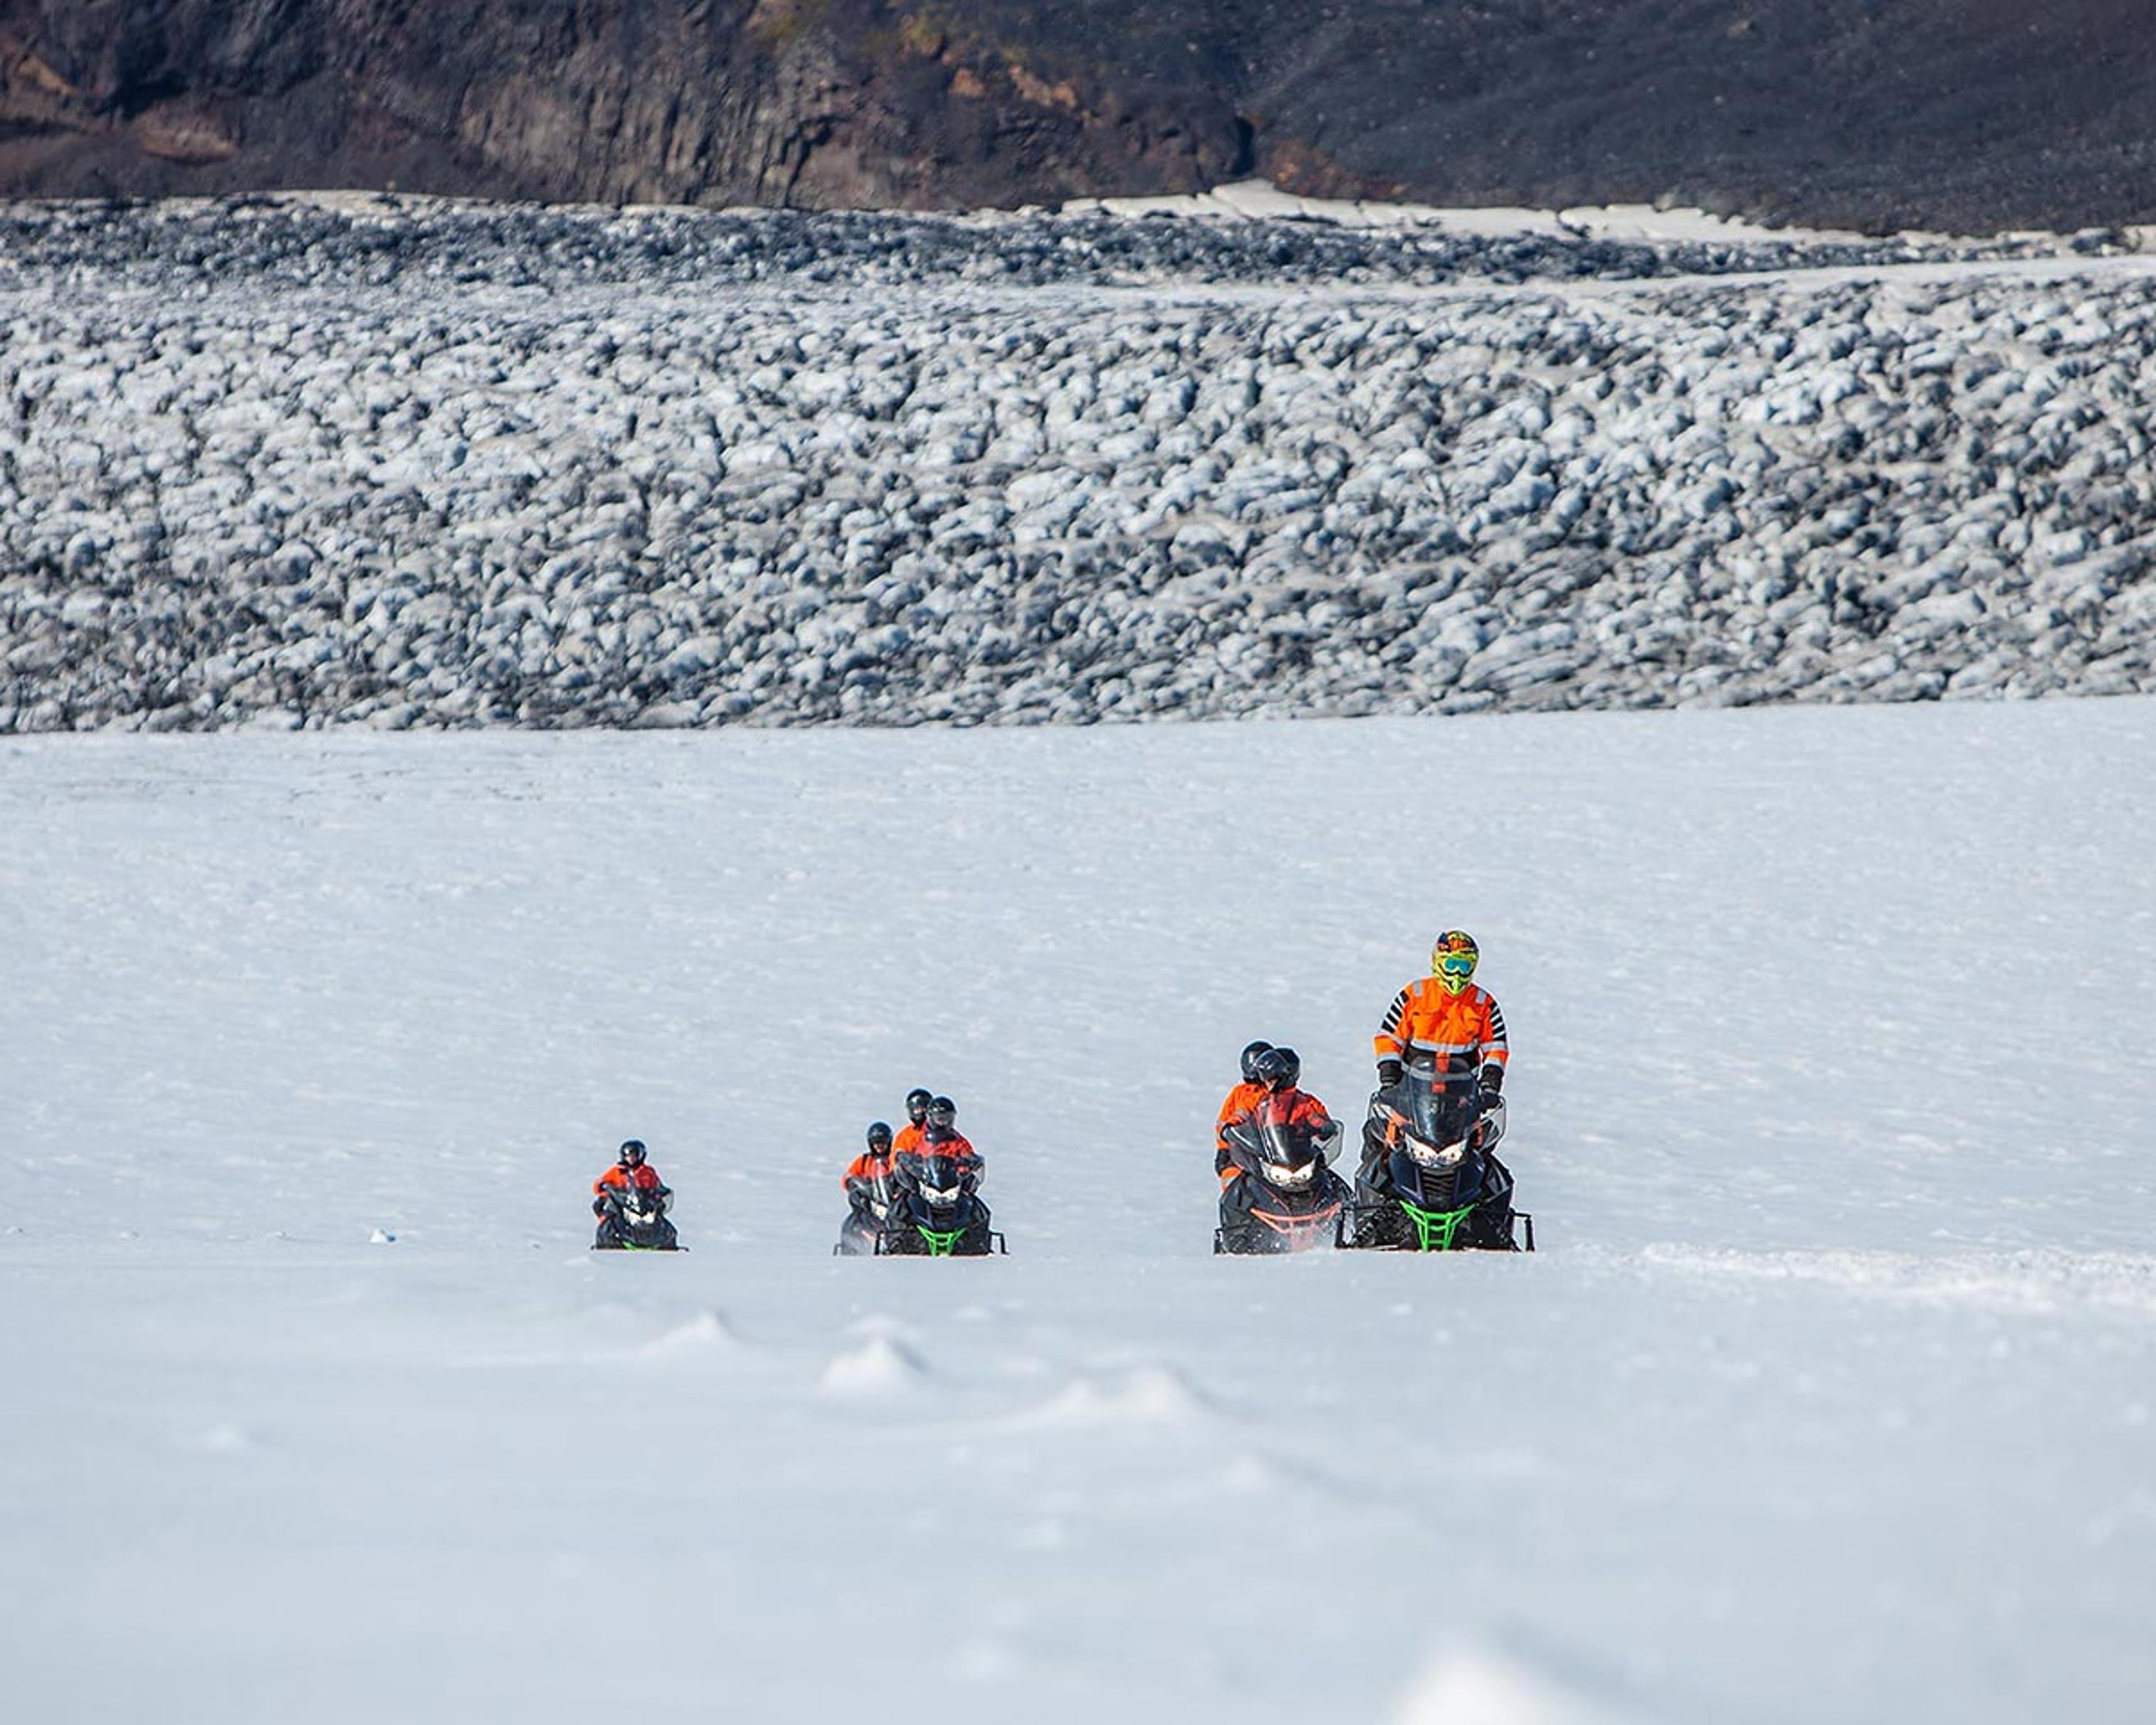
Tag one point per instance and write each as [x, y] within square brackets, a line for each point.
[1429, 1156]
[942, 1197]
[1279, 1173]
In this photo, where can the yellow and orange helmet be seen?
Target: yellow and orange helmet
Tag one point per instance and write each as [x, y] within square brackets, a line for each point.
[1452, 959]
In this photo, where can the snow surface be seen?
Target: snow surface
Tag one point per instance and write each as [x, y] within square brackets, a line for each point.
[1829, 1396]
[1262, 201]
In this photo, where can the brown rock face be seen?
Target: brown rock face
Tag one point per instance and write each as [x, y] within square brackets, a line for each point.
[816, 102]
[182, 133]
[1971, 113]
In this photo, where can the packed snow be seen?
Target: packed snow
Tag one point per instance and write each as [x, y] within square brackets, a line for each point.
[1828, 1395]
[306, 464]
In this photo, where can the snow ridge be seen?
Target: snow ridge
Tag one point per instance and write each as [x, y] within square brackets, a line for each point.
[297, 465]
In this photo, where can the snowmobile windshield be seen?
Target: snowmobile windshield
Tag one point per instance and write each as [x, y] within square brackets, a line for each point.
[941, 1180]
[1442, 1100]
[1284, 1152]
[1279, 1139]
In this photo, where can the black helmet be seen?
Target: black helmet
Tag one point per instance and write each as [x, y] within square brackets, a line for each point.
[1251, 1060]
[917, 1105]
[1278, 1069]
[943, 1111]
[880, 1135]
[632, 1152]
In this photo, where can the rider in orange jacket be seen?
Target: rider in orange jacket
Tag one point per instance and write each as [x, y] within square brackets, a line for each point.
[911, 1134]
[1240, 1101]
[1279, 1072]
[1281, 1103]
[1445, 1016]
[940, 1136]
[867, 1196]
[873, 1163]
[632, 1173]
[630, 1169]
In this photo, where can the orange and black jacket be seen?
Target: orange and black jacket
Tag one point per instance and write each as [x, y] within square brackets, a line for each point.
[1286, 1108]
[910, 1137]
[1291, 1107]
[1424, 1019]
[1240, 1101]
[959, 1148]
[870, 1165]
[645, 1180]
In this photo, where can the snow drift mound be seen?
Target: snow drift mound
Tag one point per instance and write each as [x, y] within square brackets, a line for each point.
[881, 1366]
[1472, 1685]
[855, 485]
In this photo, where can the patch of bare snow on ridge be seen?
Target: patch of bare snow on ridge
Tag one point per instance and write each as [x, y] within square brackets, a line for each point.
[1262, 201]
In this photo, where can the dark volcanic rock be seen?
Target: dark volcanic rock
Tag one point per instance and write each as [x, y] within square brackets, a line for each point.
[816, 102]
[1965, 113]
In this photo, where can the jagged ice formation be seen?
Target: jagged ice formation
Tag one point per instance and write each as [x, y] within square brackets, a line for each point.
[410, 464]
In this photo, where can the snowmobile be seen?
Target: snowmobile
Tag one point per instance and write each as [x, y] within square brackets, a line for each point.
[1287, 1199]
[635, 1220]
[935, 1211]
[1430, 1180]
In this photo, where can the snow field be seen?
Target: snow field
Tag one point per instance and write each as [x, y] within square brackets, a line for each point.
[1830, 1394]
[259, 467]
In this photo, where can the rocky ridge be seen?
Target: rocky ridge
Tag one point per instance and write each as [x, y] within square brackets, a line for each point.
[1972, 115]
[402, 464]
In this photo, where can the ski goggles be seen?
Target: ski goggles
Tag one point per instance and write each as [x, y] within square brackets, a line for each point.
[1459, 964]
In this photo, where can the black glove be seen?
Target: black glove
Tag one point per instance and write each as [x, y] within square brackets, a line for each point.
[1222, 1161]
[1493, 1081]
[598, 1206]
[1389, 1074]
